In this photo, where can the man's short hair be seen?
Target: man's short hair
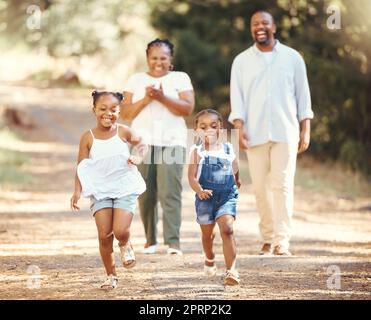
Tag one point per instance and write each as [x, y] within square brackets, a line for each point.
[262, 11]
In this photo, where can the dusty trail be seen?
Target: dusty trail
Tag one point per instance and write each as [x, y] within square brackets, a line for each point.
[47, 252]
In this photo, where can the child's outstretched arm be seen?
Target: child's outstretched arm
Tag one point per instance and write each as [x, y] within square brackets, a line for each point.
[83, 154]
[192, 177]
[139, 150]
[236, 172]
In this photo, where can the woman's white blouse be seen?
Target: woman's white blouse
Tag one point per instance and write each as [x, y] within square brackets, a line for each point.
[155, 123]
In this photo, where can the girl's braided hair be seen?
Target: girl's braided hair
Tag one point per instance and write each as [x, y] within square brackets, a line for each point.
[97, 94]
[208, 111]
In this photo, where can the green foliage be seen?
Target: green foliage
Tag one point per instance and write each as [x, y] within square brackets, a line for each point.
[82, 27]
[9, 157]
[11, 162]
[209, 34]
[354, 155]
[67, 28]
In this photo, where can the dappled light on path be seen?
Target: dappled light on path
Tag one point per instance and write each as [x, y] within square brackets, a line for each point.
[39, 232]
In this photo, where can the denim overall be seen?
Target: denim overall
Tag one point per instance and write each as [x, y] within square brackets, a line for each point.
[217, 175]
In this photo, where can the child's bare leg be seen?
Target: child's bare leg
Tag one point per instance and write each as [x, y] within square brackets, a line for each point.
[208, 236]
[121, 225]
[225, 223]
[104, 222]
[121, 229]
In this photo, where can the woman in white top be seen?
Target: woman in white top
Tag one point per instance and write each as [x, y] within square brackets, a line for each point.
[106, 173]
[156, 102]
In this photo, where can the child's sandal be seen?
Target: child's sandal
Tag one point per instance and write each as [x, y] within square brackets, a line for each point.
[127, 256]
[231, 278]
[210, 271]
[110, 283]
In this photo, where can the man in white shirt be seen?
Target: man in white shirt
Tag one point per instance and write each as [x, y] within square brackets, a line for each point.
[271, 107]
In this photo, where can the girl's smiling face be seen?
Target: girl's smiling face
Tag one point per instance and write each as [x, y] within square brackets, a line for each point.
[107, 110]
[208, 128]
[159, 60]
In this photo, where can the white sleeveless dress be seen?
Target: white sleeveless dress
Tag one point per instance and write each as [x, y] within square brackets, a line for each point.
[106, 174]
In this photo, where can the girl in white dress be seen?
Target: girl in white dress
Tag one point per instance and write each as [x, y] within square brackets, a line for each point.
[107, 173]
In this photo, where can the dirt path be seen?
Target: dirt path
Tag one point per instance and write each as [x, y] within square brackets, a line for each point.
[47, 252]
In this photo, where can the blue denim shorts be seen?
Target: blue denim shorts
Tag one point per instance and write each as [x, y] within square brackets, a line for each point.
[221, 203]
[128, 203]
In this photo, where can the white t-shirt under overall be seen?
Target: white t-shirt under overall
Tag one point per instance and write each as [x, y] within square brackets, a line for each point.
[155, 123]
[106, 174]
[220, 153]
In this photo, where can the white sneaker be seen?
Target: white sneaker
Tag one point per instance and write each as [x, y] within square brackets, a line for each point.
[150, 250]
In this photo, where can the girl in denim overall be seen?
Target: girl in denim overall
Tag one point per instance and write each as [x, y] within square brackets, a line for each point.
[213, 175]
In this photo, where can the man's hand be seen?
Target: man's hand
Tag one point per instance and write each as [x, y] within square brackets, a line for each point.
[304, 141]
[304, 135]
[243, 139]
[242, 135]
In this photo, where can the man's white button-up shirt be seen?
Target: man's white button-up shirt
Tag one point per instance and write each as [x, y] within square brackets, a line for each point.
[270, 95]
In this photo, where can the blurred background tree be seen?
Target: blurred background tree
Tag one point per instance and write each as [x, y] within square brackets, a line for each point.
[67, 28]
[103, 42]
[209, 34]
